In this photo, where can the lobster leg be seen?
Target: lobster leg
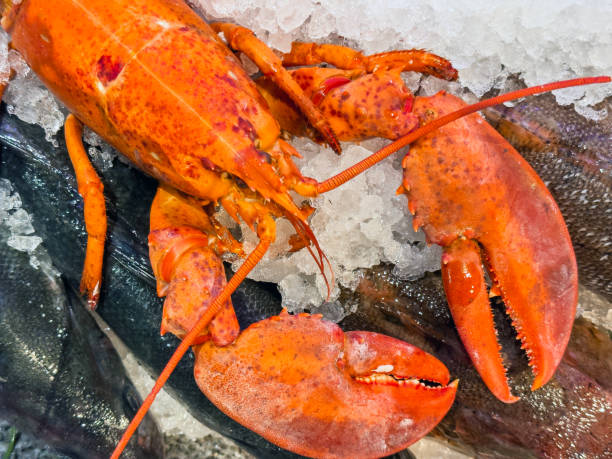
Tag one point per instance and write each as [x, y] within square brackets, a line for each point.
[91, 189]
[467, 182]
[244, 40]
[346, 58]
[183, 245]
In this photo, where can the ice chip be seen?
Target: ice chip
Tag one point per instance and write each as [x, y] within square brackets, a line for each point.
[5, 66]
[20, 222]
[24, 243]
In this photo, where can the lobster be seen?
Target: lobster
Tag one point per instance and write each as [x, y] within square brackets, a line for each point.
[221, 146]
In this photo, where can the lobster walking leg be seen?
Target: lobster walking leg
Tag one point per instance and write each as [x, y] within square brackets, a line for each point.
[342, 57]
[244, 40]
[91, 189]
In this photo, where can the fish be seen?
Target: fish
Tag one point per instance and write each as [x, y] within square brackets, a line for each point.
[61, 380]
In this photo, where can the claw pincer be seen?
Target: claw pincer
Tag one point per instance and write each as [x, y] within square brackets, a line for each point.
[303, 384]
[474, 195]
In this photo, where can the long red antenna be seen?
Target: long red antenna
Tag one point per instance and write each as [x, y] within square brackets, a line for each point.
[368, 162]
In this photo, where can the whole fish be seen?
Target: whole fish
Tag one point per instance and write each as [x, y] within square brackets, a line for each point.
[132, 310]
[60, 378]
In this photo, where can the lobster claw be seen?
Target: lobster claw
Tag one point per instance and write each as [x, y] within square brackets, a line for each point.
[474, 195]
[323, 393]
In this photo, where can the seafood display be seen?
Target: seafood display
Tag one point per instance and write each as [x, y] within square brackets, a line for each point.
[42, 174]
[204, 130]
[60, 378]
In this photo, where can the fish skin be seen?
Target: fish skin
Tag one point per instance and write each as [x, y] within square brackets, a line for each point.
[573, 155]
[61, 380]
[570, 415]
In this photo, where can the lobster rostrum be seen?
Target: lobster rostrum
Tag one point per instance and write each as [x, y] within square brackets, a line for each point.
[204, 130]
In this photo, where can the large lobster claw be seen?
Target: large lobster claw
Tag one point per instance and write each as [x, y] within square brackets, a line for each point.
[303, 384]
[474, 195]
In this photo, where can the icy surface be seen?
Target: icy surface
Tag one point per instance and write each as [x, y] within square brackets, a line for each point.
[27, 98]
[358, 226]
[5, 68]
[102, 154]
[17, 224]
[542, 41]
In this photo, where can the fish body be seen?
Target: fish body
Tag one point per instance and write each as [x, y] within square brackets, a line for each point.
[61, 380]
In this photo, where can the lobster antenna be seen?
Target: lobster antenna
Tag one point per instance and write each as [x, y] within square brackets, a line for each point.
[353, 171]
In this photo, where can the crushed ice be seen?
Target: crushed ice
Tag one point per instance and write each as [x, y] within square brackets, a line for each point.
[27, 98]
[357, 226]
[16, 225]
[102, 154]
[542, 41]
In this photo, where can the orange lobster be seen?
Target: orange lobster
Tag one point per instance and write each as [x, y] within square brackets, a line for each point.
[203, 129]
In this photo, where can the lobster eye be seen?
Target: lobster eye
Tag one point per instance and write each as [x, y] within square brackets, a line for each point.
[265, 156]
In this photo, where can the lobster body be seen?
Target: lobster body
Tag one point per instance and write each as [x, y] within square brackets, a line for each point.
[199, 113]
